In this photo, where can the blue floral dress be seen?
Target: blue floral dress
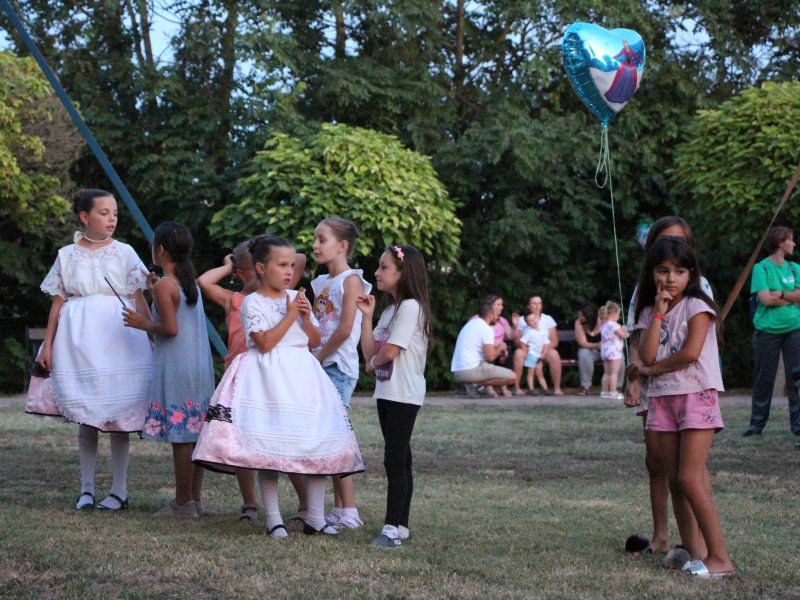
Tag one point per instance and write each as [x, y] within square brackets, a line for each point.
[183, 378]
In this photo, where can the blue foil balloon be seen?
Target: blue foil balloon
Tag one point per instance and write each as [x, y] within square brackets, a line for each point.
[604, 66]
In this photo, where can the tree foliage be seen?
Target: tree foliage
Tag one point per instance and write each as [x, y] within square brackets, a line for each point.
[739, 158]
[477, 87]
[390, 193]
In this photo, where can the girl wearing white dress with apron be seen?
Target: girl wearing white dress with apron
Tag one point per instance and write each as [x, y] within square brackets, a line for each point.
[275, 409]
[100, 370]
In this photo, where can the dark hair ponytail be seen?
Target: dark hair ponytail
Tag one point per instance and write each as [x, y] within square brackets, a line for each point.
[176, 239]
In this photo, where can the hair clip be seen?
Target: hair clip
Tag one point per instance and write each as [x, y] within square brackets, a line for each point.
[399, 252]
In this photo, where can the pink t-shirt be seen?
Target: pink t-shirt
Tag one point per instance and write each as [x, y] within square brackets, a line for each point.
[702, 375]
[237, 341]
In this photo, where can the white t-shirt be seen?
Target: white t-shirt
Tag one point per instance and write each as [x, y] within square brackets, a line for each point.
[546, 323]
[535, 341]
[403, 379]
[328, 298]
[469, 345]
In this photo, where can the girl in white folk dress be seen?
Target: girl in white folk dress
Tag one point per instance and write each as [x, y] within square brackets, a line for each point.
[100, 370]
[275, 409]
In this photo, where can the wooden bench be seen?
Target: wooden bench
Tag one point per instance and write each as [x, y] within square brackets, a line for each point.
[34, 336]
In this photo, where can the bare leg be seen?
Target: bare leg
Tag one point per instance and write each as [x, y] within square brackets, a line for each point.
[554, 363]
[531, 371]
[518, 366]
[246, 479]
[604, 382]
[184, 472]
[299, 485]
[659, 491]
[695, 484]
[540, 376]
[669, 445]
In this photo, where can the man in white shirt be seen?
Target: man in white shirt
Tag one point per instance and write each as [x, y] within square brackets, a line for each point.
[474, 352]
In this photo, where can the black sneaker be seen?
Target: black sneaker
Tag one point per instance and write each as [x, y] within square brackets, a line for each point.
[750, 432]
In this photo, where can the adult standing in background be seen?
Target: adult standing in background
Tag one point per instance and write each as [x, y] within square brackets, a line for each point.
[777, 328]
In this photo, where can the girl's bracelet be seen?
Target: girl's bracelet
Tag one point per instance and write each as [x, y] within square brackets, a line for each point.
[372, 361]
[655, 316]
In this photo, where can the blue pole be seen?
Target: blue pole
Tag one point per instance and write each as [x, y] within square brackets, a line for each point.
[95, 147]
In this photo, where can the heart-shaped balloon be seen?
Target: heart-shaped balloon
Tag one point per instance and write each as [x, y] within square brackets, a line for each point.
[604, 66]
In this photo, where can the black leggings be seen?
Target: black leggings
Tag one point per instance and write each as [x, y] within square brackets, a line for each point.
[397, 424]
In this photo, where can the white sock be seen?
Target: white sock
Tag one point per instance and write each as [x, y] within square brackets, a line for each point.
[87, 451]
[337, 511]
[268, 483]
[403, 532]
[120, 445]
[315, 485]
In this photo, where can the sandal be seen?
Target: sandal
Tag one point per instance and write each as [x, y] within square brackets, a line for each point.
[326, 530]
[123, 504]
[298, 518]
[584, 392]
[249, 516]
[88, 505]
[274, 529]
[507, 393]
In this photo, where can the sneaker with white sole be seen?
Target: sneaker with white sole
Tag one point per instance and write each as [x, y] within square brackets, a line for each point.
[172, 509]
[389, 538]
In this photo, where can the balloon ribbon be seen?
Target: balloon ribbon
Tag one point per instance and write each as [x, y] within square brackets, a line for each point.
[604, 171]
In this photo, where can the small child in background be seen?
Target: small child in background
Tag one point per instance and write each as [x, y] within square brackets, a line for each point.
[536, 341]
[612, 335]
[240, 263]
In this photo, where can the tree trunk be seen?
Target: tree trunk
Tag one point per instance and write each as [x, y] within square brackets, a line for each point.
[341, 32]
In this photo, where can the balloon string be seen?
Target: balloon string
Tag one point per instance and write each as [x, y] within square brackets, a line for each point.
[604, 170]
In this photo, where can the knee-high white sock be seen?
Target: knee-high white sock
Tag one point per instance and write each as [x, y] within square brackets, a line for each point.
[268, 484]
[87, 449]
[120, 444]
[315, 484]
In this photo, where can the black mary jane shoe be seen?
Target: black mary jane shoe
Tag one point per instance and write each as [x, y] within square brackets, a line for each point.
[326, 530]
[123, 504]
[85, 506]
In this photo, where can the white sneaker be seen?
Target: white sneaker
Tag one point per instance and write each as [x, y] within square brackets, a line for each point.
[403, 532]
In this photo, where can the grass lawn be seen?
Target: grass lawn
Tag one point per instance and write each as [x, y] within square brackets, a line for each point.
[510, 502]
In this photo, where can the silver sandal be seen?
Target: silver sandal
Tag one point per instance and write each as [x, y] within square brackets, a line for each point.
[249, 516]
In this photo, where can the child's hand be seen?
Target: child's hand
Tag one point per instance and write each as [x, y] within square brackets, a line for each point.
[663, 298]
[45, 358]
[631, 394]
[632, 371]
[366, 304]
[133, 319]
[292, 306]
[303, 305]
[515, 320]
[150, 281]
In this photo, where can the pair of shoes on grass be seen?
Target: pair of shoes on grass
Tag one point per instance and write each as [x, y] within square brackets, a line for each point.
[112, 502]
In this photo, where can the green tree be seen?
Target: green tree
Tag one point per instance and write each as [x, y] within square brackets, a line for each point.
[38, 144]
[389, 192]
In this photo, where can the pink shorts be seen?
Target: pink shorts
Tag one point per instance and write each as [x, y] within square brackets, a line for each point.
[699, 410]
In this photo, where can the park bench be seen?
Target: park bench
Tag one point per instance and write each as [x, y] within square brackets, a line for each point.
[566, 340]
